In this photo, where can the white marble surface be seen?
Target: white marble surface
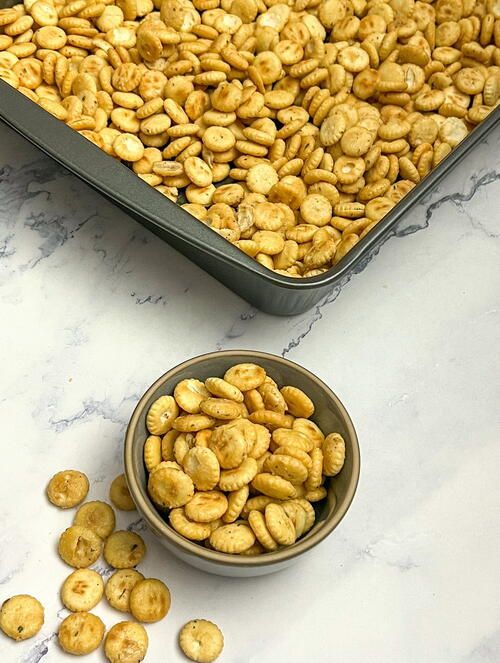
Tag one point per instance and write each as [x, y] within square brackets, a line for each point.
[93, 308]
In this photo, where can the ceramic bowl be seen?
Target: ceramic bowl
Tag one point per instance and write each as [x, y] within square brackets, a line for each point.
[330, 415]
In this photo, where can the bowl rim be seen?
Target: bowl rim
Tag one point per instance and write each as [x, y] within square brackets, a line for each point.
[158, 525]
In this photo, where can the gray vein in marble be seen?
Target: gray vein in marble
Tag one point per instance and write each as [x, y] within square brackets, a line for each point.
[92, 407]
[457, 199]
[478, 224]
[76, 335]
[402, 565]
[15, 182]
[39, 650]
[316, 316]
[239, 326]
[238, 330]
[53, 231]
[486, 652]
[8, 577]
[391, 550]
[5, 250]
[397, 400]
[150, 299]
[103, 569]
[100, 478]
[138, 525]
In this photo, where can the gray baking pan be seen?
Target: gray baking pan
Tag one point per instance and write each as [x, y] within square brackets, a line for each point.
[270, 292]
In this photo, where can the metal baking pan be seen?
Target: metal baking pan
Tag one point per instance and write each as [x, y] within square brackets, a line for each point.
[270, 292]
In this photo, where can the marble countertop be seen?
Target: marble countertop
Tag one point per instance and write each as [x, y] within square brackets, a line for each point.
[93, 308]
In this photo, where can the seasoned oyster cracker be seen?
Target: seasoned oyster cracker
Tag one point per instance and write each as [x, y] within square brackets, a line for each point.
[201, 641]
[21, 617]
[68, 488]
[82, 590]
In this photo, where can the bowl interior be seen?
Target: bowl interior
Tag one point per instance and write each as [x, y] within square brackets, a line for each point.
[330, 416]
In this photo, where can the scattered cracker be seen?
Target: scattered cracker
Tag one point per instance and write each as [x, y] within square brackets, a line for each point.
[201, 641]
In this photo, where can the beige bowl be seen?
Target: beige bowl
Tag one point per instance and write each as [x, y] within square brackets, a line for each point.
[330, 415]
